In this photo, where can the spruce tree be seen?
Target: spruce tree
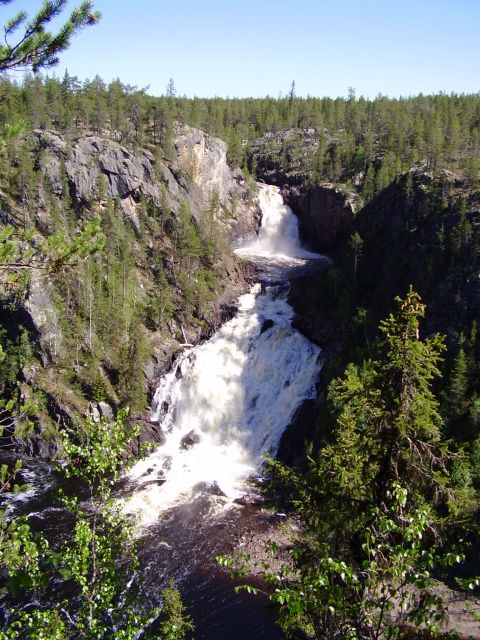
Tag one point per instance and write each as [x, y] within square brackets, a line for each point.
[458, 387]
[362, 567]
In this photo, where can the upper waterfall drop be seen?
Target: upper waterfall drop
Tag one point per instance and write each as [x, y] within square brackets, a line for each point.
[278, 237]
[226, 402]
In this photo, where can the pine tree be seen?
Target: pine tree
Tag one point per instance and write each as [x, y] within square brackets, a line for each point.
[368, 187]
[388, 427]
[35, 47]
[356, 244]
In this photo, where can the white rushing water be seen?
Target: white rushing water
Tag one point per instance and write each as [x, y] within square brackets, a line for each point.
[227, 401]
[278, 236]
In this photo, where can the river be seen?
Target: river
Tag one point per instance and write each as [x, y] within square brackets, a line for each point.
[222, 406]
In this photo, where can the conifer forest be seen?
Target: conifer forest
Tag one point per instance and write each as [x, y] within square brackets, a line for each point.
[239, 358]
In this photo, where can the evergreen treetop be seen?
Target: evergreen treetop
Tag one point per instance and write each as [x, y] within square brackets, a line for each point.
[29, 45]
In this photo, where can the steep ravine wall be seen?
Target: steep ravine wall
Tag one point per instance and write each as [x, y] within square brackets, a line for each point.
[422, 230]
[326, 215]
[325, 211]
[90, 171]
[198, 171]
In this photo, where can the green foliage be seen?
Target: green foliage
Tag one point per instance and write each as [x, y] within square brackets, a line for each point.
[475, 461]
[88, 459]
[100, 559]
[20, 253]
[457, 395]
[17, 410]
[388, 420]
[40, 625]
[356, 244]
[372, 501]
[11, 130]
[99, 307]
[365, 142]
[460, 473]
[61, 251]
[174, 624]
[98, 389]
[35, 47]
[388, 590]
[131, 377]
[381, 407]
[108, 283]
[20, 555]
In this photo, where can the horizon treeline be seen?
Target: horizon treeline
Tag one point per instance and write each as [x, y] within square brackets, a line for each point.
[352, 140]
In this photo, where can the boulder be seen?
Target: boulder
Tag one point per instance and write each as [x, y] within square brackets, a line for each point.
[106, 410]
[210, 488]
[249, 500]
[94, 413]
[189, 440]
[267, 324]
[150, 436]
[167, 463]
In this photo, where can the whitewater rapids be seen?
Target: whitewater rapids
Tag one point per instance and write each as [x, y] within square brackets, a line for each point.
[226, 402]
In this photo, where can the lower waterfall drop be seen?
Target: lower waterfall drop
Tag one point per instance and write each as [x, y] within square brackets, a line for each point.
[226, 402]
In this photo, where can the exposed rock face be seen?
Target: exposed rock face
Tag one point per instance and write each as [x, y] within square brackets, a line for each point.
[198, 170]
[150, 432]
[201, 162]
[93, 163]
[87, 158]
[325, 214]
[204, 159]
[43, 315]
[284, 157]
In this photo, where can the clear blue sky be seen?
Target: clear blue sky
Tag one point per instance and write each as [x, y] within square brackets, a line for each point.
[257, 47]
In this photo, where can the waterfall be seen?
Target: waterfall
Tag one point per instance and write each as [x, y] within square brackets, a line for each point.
[278, 236]
[226, 402]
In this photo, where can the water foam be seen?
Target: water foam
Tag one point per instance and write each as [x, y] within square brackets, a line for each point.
[227, 401]
[278, 236]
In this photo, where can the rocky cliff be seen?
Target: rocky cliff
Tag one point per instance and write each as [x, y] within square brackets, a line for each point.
[423, 230]
[197, 171]
[166, 275]
[325, 210]
[325, 213]
[100, 168]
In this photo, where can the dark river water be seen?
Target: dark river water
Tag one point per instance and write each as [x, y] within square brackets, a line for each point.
[233, 396]
[182, 544]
